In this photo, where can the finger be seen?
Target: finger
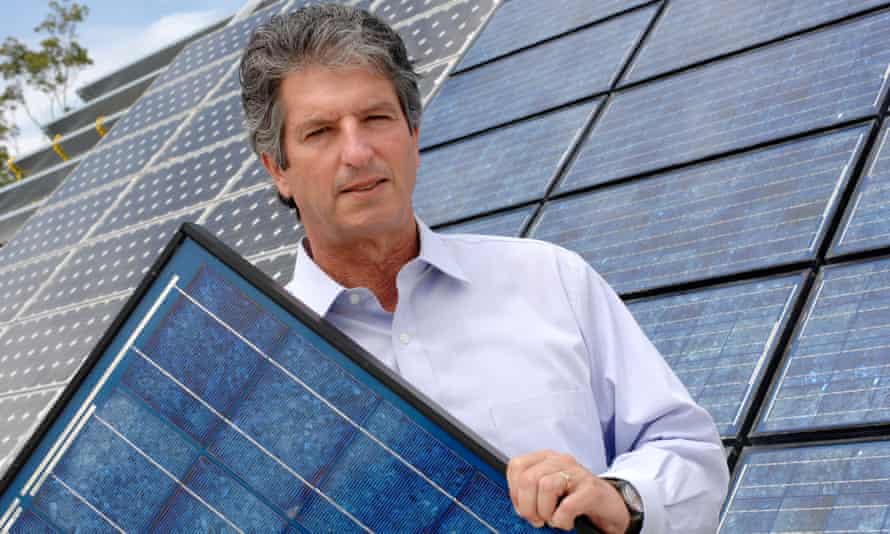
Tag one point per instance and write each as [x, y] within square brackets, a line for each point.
[550, 488]
[529, 487]
[517, 466]
[581, 501]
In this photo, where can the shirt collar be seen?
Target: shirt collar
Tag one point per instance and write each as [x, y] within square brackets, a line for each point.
[319, 291]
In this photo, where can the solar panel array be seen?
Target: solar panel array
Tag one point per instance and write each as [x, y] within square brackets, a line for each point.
[724, 165]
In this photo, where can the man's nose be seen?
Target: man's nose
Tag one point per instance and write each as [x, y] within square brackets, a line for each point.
[357, 151]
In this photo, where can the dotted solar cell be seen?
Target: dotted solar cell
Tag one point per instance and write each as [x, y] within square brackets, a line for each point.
[166, 101]
[57, 226]
[837, 369]
[279, 267]
[107, 267]
[812, 81]
[507, 224]
[254, 174]
[866, 223]
[115, 161]
[500, 168]
[394, 11]
[254, 223]
[719, 340]
[49, 350]
[20, 415]
[441, 34]
[215, 121]
[763, 208]
[19, 282]
[695, 30]
[228, 40]
[233, 80]
[534, 80]
[178, 186]
[430, 79]
[516, 25]
[821, 488]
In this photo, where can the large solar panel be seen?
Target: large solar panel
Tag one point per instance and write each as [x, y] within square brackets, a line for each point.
[501, 168]
[812, 81]
[230, 406]
[749, 211]
[867, 221]
[720, 340]
[837, 370]
[820, 488]
[694, 30]
[533, 80]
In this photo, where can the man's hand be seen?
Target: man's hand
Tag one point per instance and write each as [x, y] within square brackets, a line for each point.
[538, 481]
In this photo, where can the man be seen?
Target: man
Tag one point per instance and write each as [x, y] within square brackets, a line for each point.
[519, 339]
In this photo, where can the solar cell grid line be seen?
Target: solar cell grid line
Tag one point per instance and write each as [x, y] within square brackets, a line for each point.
[823, 487]
[802, 84]
[48, 350]
[253, 222]
[836, 371]
[254, 175]
[58, 226]
[763, 208]
[106, 267]
[503, 167]
[719, 340]
[866, 223]
[21, 413]
[437, 34]
[171, 188]
[187, 399]
[508, 224]
[179, 96]
[517, 25]
[18, 282]
[115, 161]
[692, 31]
[223, 42]
[214, 121]
[534, 80]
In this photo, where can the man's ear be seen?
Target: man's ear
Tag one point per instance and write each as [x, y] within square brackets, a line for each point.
[277, 175]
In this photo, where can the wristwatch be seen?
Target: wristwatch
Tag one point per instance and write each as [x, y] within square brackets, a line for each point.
[633, 502]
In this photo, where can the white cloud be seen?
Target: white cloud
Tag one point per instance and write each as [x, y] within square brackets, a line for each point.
[112, 48]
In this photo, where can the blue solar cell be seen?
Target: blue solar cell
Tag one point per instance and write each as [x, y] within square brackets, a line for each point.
[181, 95]
[279, 267]
[866, 223]
[505, 167]
[215, 121]
[255, 222]
[516, 25]
[508, 224]
[57, 226]
[19, 282]
[534, 80]
[109, 162]
[820, 488]
[178, 186]
[696, 30]
[794, 86]
[763, 208]
[106, 267]
[218, 409]
[719, 340]
[441, 33]
[837, 370]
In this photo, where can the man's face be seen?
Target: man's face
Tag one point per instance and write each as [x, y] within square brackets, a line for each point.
[352, 160]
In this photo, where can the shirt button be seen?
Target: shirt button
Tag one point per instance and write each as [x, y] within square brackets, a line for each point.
[354, 298]
[405, 338]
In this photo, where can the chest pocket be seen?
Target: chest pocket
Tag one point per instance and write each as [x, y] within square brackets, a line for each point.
[562, 421]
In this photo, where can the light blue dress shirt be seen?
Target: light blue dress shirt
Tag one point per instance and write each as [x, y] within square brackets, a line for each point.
[523, 342]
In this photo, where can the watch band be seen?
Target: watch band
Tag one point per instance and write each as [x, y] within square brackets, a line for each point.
[632, 501]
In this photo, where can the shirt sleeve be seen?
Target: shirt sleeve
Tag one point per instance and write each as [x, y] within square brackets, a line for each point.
[657, 437]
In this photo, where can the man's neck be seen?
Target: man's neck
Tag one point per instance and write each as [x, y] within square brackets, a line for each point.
[371, 263]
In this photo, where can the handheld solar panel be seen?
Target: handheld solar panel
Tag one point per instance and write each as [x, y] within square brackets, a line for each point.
[216, 402]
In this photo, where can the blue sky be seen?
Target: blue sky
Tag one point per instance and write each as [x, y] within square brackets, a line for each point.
[115, 33]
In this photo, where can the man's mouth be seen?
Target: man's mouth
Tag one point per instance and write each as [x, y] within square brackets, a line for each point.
[364, 185]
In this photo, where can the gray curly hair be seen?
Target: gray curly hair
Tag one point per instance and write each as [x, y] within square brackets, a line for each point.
[326, 35]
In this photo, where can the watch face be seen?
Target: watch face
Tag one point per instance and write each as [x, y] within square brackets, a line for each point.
[631, 497]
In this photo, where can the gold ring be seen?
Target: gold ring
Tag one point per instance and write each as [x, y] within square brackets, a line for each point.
[567, 477]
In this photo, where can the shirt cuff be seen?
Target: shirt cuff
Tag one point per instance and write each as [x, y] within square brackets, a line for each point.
[653, 507]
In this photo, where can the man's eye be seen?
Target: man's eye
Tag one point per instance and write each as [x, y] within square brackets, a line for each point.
[315, 133]
[378, 117]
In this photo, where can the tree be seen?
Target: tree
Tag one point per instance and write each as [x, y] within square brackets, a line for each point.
[50, 69]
